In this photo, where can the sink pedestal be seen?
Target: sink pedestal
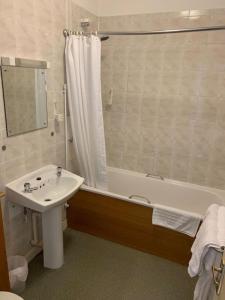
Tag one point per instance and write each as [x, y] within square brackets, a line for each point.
[52, 238]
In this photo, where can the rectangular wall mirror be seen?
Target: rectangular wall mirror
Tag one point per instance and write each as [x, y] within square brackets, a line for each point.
[24, 94]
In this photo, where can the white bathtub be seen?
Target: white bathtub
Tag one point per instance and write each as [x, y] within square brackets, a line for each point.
[190, 198]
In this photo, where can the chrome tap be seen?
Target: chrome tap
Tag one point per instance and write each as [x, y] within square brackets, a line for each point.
[59, 171]
[28, 188]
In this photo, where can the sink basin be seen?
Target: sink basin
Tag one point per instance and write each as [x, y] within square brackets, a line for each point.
[51, 190]
[46, 194]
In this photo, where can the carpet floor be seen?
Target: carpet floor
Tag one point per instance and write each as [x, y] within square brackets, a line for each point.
[96, 269]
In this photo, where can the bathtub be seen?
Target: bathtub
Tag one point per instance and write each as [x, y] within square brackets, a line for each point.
[123, 212]
[137, 188]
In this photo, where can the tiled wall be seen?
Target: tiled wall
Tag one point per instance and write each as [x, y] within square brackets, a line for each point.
[168, 110]
[33, 29]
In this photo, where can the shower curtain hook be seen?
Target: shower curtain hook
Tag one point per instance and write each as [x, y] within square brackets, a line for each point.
[65, 32]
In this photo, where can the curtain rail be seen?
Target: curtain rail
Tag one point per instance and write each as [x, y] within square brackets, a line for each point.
[210, 28]
[168, 31]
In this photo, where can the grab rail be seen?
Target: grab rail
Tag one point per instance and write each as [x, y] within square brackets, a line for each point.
[141, 197]
[154, 176]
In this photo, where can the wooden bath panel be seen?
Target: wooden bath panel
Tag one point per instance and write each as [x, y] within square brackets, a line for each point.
[128, 224]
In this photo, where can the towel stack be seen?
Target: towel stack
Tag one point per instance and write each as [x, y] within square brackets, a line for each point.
[210, 238]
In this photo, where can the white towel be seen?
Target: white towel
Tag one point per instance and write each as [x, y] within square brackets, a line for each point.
[204, 289]
[176, 219]
[210, 239]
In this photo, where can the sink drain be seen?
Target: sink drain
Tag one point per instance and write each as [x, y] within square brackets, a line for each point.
[47, 200]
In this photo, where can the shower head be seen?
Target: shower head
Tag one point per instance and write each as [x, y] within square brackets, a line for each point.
[104, 38]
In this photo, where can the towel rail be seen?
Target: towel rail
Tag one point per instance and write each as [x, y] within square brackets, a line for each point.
[218, 272]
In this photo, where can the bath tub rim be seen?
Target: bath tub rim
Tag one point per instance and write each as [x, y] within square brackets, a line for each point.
[220, 194]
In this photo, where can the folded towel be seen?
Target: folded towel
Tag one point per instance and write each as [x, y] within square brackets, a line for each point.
[176, 219]
[210, 238]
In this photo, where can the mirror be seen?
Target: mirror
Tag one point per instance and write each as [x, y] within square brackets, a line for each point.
[25, 96]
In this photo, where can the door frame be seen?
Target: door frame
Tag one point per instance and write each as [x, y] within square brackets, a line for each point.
[4, 274]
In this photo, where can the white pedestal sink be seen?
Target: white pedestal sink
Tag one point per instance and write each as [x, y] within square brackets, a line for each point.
[50, 193]
[52, 238]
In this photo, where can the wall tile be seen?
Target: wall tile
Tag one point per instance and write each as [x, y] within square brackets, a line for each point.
[146, 164]
[174, 113]
[216, 177]
[163, 165]
[198, 171]
[182, 140]
[129, 162]
[180, 167]
[151, 85]
[148, 141]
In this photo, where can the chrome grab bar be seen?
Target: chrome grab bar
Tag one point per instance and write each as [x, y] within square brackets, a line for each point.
[218, 272]
[154, 176]
[140, 197]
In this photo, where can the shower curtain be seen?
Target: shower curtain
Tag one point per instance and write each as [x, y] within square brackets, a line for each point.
[83, 71]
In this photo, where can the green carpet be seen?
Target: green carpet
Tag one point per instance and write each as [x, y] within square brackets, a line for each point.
[96, 269]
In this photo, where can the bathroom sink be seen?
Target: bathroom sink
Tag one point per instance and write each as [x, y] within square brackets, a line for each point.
[47, 189]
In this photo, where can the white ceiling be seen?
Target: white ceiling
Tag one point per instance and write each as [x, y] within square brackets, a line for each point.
[124, 7]
[90, 5]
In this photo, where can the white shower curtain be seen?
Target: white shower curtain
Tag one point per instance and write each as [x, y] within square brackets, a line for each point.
[83, 70]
